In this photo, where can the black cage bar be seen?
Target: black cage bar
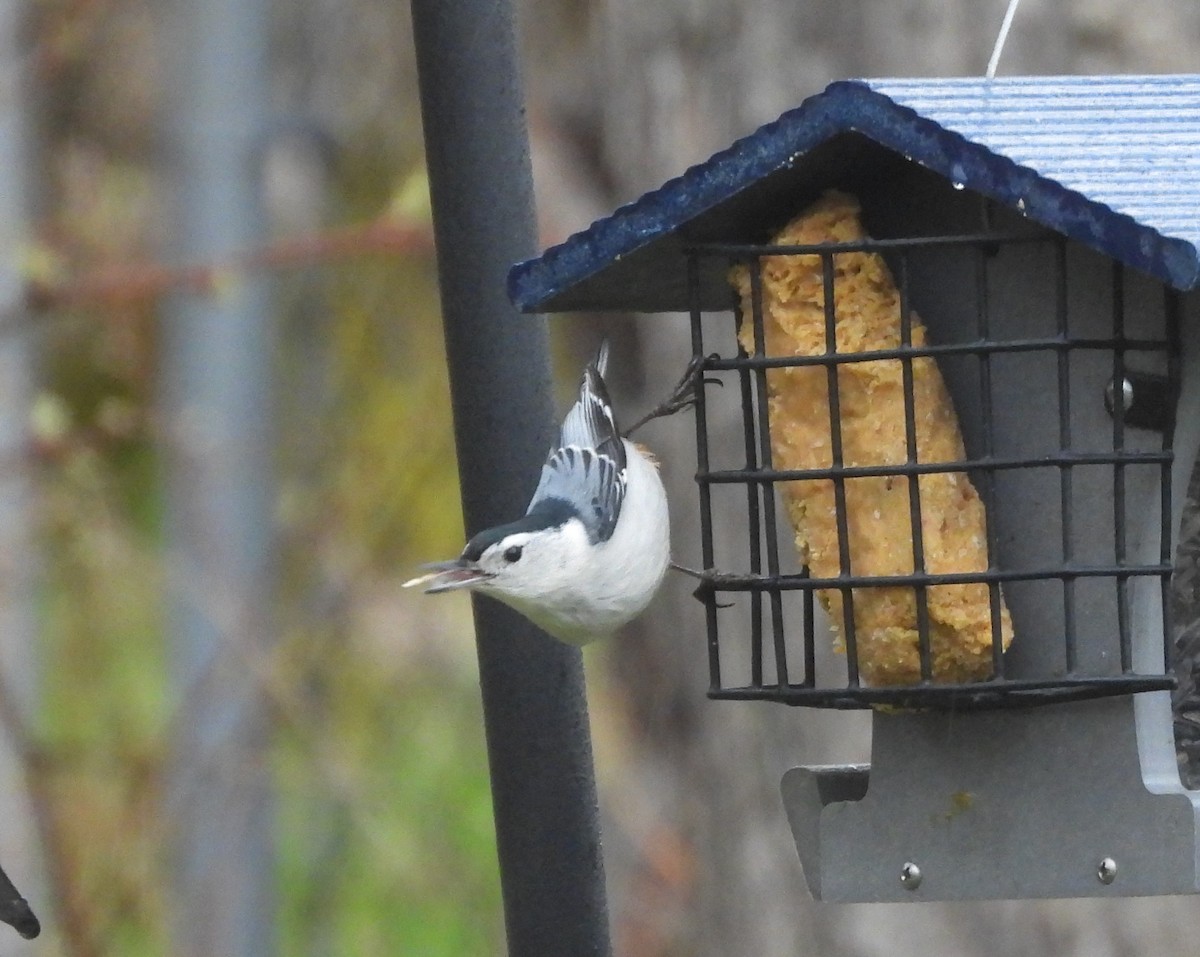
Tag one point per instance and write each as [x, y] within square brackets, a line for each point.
[776, 650]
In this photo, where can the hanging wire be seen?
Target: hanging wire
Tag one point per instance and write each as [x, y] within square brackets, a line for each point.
[1009, 14]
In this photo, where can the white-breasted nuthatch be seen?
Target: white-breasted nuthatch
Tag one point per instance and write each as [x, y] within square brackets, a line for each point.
[594, 544]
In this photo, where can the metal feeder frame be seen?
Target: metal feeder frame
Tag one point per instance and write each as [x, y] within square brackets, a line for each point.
[1148, 403]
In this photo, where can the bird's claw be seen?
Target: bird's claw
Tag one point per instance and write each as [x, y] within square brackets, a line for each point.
[685, 395]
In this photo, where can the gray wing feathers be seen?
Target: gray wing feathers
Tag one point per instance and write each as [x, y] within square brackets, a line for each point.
[587, 466]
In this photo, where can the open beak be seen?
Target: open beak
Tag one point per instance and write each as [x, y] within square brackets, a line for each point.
[449, 576]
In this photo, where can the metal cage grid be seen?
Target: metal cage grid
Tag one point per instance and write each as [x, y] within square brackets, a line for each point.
[767, 584]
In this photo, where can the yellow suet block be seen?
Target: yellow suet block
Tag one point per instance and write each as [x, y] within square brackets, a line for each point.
[872, 425]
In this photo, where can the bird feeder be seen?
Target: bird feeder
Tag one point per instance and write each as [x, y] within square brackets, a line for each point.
[1041, 248]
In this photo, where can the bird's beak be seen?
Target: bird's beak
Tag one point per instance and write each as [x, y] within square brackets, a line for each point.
[449, 576]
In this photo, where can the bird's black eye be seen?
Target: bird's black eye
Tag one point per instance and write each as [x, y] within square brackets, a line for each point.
[512, 553]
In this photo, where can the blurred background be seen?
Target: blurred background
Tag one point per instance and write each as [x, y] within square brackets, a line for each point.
[225, 438]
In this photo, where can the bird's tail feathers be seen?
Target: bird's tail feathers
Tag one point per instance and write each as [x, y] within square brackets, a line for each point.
[600, 363]
[590, 423]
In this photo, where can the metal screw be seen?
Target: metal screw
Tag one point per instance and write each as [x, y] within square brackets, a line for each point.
[910, 876]
[1106, 873]
[1126, 395]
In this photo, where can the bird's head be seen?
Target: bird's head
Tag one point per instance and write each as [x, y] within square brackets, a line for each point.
[520, 561]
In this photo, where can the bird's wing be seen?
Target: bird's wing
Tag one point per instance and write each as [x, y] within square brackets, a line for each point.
[586, 468]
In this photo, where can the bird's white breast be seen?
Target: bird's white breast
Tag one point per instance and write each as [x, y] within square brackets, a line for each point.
[592, 590]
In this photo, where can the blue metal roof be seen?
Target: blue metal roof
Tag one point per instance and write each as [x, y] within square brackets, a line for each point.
[1111, 161]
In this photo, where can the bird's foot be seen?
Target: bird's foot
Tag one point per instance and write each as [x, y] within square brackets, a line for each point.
[690, 572]
[683, 396]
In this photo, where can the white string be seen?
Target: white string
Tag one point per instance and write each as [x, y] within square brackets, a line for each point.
[999, 47]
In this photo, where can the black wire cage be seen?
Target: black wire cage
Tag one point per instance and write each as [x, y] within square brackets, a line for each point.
[1064, 369]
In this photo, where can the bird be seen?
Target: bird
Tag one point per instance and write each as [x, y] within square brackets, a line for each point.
[594, 544]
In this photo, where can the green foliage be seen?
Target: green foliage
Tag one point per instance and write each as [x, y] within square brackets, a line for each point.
[389, 849]
[105, 712]
[396, 459]
[384, 816]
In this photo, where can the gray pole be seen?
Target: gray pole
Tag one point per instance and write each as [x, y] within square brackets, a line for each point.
[535, 712]
[19, 680]
[218, 362]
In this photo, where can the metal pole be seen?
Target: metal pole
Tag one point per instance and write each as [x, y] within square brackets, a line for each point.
[218, 359]
[535, 711]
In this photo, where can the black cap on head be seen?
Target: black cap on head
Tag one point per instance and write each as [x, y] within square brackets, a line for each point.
[548, 513]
